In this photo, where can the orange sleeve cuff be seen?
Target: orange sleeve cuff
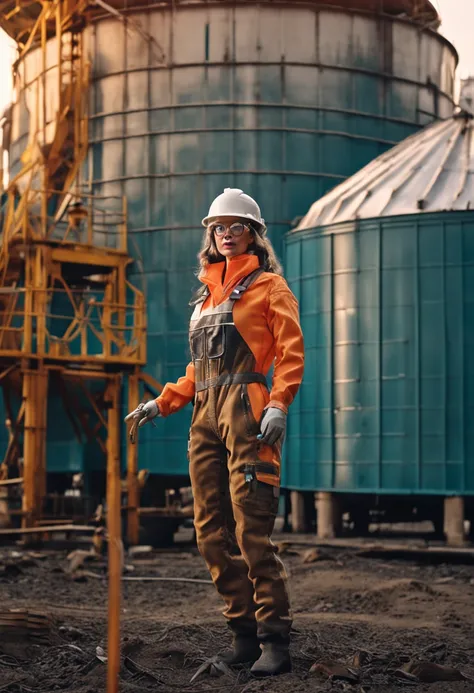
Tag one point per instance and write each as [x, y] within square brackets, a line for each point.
[175, 396]
[278, 405]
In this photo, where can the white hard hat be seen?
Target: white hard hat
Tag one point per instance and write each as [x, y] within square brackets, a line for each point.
[235, 203]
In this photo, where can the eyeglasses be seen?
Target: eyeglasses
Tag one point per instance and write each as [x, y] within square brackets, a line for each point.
[236, 229]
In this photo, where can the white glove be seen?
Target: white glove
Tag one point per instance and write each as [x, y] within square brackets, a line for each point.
[141, 415]
[273, 426]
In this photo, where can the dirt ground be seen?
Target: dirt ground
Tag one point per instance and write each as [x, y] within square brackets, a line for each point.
[374, 615]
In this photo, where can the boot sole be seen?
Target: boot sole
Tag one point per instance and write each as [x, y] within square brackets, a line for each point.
[286, 669]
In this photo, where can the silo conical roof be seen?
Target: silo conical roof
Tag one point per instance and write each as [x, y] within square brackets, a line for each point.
[430, 171]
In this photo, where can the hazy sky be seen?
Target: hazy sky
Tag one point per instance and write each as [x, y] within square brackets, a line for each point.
[457, 26]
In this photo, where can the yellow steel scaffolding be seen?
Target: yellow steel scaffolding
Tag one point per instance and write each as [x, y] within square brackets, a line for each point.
[66, 307]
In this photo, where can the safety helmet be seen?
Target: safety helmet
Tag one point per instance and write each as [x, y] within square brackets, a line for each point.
[235, 203]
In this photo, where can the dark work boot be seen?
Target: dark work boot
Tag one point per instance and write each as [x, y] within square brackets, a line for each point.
[245, 650]
[275, 659]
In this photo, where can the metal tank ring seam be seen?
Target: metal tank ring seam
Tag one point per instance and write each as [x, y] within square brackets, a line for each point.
[258, 104]
[254, 63]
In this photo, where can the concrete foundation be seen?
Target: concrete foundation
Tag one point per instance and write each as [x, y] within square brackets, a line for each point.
[298, 512]
[454, 521]
[329, 517]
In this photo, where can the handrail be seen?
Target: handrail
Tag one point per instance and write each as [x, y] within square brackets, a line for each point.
[105, 320]
[81, 220]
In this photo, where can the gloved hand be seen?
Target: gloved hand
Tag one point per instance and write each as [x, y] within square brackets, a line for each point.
[144, 412]
[141, 415]
[273, 426]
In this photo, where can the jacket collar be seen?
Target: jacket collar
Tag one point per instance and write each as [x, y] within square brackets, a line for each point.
[238, 268]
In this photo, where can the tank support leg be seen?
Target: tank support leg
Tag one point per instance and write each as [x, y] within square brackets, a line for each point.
[329, 518]
[454, 520]
[298, 515]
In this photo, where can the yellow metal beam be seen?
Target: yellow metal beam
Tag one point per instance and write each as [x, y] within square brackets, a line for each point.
[82, 256]
[35, 383]
[115, 547]
[133, 521]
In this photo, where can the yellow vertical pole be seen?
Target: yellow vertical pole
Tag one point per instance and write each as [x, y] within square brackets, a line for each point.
[40, 299]
[124, 225]
[29, 448]
[133, 524]
[114, 533]
[82, 314]
[35, 391]
[59, 38]
[28, 307]
[107, 317]
[121, 300]
[41, 424]
[43, 76]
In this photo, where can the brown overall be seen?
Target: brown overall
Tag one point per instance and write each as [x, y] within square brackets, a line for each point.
[234, 511]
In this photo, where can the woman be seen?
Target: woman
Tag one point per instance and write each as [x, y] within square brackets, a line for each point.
[245, 319]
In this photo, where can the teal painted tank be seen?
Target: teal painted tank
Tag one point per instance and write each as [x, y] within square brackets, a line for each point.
[382, 267]
[283, 100]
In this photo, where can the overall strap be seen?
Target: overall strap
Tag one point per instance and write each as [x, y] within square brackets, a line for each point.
[199, 296]
[241, 288]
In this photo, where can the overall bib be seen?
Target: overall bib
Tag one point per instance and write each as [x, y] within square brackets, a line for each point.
[235, 480]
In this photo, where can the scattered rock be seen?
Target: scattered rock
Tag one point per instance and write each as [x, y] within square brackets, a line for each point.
[78, 558]
[322, 607]
[72, 632]
[311, 556]
[405, 675]
[100, 654]
[284, 547]
[38, 555]
[335, 671]
[360, 658]
[430, 672]
[139, 550]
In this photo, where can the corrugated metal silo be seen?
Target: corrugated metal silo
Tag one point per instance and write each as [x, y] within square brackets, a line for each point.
[282, 99]
[382, 267]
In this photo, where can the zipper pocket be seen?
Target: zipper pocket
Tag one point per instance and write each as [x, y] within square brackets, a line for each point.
[250, 422]
[246, 407]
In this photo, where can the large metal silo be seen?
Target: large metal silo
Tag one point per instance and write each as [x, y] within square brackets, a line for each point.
[284, 100]
[382, 267]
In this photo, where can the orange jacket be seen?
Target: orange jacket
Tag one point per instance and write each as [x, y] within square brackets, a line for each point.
[267, 318]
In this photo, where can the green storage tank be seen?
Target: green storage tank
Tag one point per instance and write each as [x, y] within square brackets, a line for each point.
[383, 269]
[281, 99]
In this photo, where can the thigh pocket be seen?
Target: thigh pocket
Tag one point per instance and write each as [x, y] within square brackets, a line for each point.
[261, 498]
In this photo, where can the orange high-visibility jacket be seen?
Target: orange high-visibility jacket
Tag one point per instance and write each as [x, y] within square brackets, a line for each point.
[267, 318]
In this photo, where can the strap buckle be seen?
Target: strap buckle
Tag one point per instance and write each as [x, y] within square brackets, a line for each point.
[237, 292]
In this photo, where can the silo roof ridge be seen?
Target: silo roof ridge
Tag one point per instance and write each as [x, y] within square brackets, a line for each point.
[430, 171]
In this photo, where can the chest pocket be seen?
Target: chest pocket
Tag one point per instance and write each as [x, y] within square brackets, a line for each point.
[215, 341]
[208, 341]
[197, 344]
